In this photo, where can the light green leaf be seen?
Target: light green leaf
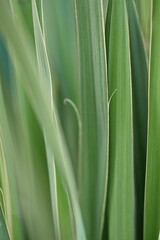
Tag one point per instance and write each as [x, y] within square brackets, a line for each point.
[94, 114]
[152, 188]
[120, 201]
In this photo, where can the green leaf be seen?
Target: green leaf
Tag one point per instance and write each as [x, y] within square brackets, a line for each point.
[152, 188]
[3, 229]
[140, 102]
[94, 115]
[120, 201]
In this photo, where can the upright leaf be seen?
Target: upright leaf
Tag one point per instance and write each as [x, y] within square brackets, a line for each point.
[120, 201]
[152, 193]
[94, 114]
[139, 88]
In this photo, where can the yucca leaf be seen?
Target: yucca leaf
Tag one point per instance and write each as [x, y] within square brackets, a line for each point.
[94, 115]
[3, 229]
[152, 188]
[120, 201]
[140, 101]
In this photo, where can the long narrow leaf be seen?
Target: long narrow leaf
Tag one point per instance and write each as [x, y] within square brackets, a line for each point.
[120, 202]
[94, 114]
[140, 101]
[152, 206]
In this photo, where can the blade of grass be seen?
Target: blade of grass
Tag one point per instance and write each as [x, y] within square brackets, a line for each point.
[152, 187]
[121, 204]
[94, 115]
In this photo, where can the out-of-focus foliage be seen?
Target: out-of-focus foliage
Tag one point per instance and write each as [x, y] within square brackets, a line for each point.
[77, 160]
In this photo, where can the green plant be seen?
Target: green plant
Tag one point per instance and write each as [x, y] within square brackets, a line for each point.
[79, 119]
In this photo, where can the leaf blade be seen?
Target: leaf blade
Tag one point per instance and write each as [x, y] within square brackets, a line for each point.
[94, 115]
[140, 109]
[120, 201]
[152, 209]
